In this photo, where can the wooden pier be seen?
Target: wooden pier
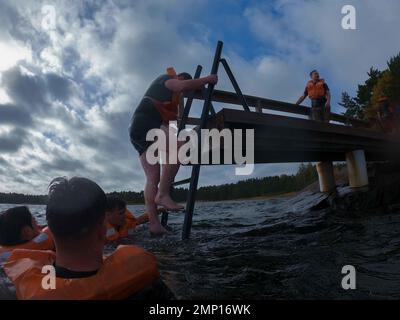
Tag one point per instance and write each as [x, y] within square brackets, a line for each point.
[291, 137]
[280, 139]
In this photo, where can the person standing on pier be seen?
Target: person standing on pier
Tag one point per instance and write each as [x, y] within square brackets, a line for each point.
[157, 108]
[318, 91]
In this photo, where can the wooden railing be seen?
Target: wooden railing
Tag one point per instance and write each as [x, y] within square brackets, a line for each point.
[263, 103]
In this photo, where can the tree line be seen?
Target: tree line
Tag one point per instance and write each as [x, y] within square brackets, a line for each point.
[273, 185]
[378, 84]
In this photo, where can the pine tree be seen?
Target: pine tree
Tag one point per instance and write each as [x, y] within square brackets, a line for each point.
[379, 83]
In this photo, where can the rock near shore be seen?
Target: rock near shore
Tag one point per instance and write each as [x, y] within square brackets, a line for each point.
[381, 196]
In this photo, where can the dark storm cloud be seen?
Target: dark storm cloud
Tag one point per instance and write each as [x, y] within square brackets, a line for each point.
[119, 142]
[33, 98]
[3, 162]
[63, 165]
[12, 114]
[24, 89]
[20, 179]
[58, 87]
[12, 141]
[70, 57]
[119, 178]
[36, 90]
[8, 17]
[90, 141]
[114, 144]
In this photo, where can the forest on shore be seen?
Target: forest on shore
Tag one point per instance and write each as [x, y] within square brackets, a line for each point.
[266, 186]
[380, 83]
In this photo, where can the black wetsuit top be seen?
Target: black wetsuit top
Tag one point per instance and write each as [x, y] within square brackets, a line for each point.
[146, 116]
[65, 273]
[158, 90]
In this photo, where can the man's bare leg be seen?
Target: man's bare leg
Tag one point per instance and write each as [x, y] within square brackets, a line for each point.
[152, 172]
[163, 197]
[168, 174]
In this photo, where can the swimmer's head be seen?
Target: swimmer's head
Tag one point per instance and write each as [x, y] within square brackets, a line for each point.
[76, 211]
[17, 226]
[115, 212]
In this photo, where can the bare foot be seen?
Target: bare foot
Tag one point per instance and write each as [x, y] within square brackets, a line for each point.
[157, 229]
[168, 203]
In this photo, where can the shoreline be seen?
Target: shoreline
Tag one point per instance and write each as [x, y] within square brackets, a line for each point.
[262, 197]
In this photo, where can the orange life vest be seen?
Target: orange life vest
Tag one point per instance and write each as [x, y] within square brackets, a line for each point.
[43, 241]
[316, 90]
[125, 272]
[127, 229]
[168, 109]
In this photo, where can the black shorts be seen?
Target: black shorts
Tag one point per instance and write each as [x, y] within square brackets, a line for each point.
[318, 110]
[318, 103]
[145, 118]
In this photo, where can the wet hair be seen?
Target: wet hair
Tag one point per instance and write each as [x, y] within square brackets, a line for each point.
[74, 207]
[313, 72]
[11, 223]
[185, 76]
[115, 202]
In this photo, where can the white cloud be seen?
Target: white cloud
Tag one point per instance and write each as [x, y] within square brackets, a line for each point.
[11, 53]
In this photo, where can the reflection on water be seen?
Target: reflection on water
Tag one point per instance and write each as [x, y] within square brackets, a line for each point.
[276, 248]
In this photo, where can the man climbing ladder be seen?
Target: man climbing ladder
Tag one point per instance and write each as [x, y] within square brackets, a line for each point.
[159, 106]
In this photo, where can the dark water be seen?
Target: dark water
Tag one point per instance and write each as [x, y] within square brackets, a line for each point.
[273, 249]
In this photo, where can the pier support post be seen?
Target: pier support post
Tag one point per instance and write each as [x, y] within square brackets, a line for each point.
[258, 107]
[325, 176]
[357, 169]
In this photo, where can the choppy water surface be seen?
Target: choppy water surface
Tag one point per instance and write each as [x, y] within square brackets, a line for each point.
[273, 249]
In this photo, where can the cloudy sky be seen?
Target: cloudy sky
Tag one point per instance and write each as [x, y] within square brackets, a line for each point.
[67, 91]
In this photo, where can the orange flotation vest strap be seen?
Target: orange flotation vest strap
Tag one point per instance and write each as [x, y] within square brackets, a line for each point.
[127, 229]
[125, 272]
[316, 90]
[43, 241]
[168, 109]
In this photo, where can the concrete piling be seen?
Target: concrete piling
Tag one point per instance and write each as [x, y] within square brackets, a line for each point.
[357, 169]
[325, 176]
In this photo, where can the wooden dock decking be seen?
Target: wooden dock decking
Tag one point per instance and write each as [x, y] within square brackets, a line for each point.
[279, 139]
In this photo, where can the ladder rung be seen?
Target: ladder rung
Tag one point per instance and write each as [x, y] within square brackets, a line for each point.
[178, 183]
